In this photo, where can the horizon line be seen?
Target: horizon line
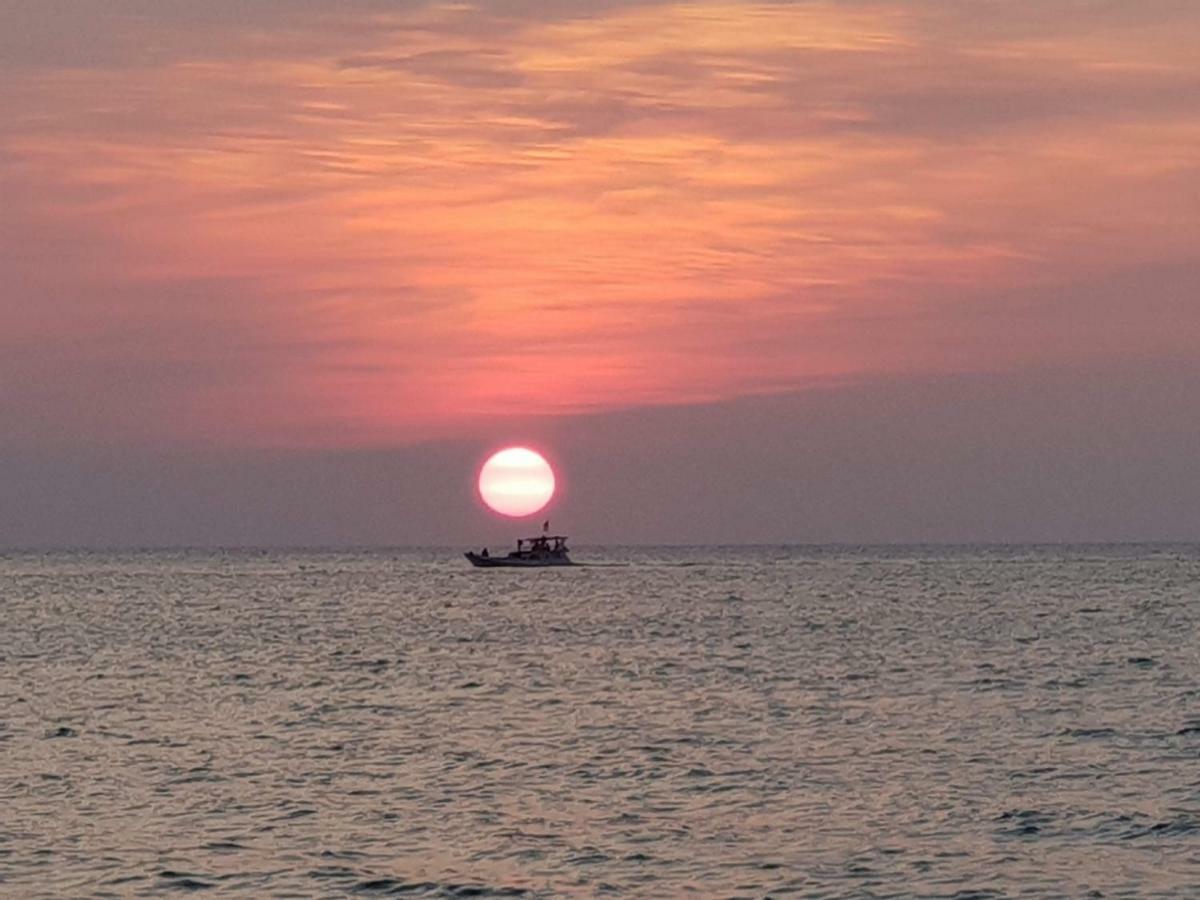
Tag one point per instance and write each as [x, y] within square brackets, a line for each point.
[746, 545]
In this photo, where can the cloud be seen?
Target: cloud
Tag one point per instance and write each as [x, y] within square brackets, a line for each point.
[283, 225]
[1034, 455]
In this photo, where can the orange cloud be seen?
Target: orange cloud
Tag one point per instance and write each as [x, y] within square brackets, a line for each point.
[413, 225]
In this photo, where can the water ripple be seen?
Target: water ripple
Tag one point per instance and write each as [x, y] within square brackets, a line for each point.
[977, 722]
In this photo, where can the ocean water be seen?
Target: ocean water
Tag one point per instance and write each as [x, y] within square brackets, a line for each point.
[724, 722]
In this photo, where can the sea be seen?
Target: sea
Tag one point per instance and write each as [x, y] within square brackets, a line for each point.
[751, 722]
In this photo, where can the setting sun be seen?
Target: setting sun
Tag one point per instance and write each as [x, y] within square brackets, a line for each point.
[516, 482]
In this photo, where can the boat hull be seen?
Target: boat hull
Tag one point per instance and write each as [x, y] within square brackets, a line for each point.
[516, 562]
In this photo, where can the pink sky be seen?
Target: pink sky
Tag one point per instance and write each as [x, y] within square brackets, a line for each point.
[363, 225]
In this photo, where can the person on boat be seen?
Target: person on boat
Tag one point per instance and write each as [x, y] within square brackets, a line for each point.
[484, 554]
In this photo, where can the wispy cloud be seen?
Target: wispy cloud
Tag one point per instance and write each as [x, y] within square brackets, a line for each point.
[388, 222]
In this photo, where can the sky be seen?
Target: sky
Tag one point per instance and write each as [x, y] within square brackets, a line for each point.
[285, 271]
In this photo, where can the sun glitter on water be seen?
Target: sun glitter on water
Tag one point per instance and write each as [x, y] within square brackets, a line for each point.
[516, 482]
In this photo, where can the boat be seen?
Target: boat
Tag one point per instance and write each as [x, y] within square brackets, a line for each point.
[545, 550]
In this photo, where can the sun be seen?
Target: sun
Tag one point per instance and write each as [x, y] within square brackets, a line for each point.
[516, 482]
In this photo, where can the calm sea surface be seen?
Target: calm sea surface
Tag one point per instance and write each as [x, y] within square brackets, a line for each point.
[824, 722]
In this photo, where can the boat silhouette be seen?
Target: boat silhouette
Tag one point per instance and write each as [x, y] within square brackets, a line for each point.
[545, 550]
